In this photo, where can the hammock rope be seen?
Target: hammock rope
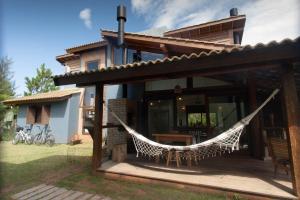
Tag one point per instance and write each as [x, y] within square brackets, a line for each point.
[227, 141]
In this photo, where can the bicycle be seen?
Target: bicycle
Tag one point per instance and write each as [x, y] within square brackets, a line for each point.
[45, 138]
[23, 135]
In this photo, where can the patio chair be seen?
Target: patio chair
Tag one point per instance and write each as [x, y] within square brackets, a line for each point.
[279, 152]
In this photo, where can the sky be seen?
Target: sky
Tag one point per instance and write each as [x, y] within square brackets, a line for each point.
[33, 32]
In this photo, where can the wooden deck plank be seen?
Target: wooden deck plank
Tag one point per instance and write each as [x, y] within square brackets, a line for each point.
[27, 196]
[64, 195]
[96, 197]
[246, 181]
[20, 194]
[75, 195]
[44, 194]
[47, 192]
[54, 194]
[86, 196]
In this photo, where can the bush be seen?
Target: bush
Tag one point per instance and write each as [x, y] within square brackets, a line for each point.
[6, 135]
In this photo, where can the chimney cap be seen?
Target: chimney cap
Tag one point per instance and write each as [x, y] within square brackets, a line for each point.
[121, 12]
[233, 12]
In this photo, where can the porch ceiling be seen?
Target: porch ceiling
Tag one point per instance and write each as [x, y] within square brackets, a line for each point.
[260, 56]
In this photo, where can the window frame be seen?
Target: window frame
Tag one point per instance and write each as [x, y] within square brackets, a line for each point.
[90, 61]
[38, 114]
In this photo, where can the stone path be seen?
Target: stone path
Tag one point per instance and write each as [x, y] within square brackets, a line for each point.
[47, 192]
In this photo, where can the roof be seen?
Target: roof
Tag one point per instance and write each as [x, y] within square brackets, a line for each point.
[241, 18]
[235, 58]
[190, 43]
[87, 46]
[66, 57]
[52, 96]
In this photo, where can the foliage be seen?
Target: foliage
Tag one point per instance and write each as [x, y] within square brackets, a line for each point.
[42, 82]
[7, 86]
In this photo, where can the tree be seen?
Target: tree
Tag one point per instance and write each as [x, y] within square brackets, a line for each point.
[42, 82]
[7, 86]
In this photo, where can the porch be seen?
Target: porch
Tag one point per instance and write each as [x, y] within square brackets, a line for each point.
[231, 174]
[261, 69]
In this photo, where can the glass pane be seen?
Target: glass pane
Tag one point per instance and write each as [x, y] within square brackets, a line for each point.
[118, 56]
[160, 116]
[223, 112]
[146, 56]
[93, 65]
[190, 111]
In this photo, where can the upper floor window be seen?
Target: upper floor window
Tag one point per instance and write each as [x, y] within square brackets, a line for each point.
[137, 56]
[92, 65]
[118, 56]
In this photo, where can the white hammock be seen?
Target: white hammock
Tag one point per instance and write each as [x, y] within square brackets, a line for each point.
[226, 141]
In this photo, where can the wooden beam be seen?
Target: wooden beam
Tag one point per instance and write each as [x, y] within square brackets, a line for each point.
[291, 106]
[256, 143]
[164, 49]
[97, 139]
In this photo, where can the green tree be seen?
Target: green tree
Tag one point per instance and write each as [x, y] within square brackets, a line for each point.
[42, 82]
[7, 86]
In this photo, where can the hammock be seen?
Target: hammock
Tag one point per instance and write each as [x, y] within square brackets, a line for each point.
[227, 141]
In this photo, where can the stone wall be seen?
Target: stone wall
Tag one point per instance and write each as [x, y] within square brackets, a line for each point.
[121, 107]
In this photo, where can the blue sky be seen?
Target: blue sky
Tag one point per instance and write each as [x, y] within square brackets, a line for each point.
[33, 32]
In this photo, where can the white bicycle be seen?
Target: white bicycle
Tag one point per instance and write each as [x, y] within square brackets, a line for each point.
[23, 136]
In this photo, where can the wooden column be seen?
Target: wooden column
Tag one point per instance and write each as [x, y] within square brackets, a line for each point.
[256, 144]
[97, 140]
[291, 106]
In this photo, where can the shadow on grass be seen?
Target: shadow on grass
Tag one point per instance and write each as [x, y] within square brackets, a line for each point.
[15, 177]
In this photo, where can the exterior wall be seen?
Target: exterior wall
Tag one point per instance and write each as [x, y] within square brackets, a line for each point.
[165, 84]
[74, 103]
[93, 55]
[63, 120]
[207, 82]
[119, 106]
[59, 119]
[73, 65]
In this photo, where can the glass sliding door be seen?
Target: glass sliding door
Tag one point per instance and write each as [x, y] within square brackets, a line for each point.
[160, 116]
[224, 111]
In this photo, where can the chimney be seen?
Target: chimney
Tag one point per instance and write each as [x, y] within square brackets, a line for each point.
[236, 35]
[121, 17]
[233, 12]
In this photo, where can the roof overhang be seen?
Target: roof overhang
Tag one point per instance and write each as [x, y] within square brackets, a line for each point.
[160, 44]
[85, 47]
[67, 57]
[235, 23]
[215, 62]
[48, 97]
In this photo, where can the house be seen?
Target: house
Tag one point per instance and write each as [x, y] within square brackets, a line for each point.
[58, 111]
[195, 81]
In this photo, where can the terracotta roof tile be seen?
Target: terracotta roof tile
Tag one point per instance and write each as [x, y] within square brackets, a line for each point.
[185, 57]
[44, 97]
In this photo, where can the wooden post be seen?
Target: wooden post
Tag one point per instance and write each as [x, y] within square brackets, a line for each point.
[256, 146]
[291, 106]
[97, 140]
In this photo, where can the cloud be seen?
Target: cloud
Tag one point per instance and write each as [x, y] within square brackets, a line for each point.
[265, 21]
[86, 15]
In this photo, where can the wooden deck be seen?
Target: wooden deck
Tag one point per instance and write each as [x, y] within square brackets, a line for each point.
[47, 192]
[248, 177]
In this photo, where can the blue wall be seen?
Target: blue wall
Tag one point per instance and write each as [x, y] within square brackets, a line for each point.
[63, 120]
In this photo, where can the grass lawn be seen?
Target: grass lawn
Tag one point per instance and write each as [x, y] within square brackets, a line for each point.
[24, 166]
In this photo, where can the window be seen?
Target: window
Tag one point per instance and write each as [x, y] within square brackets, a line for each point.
[118, 56]
[38, 114]
[92, 65]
